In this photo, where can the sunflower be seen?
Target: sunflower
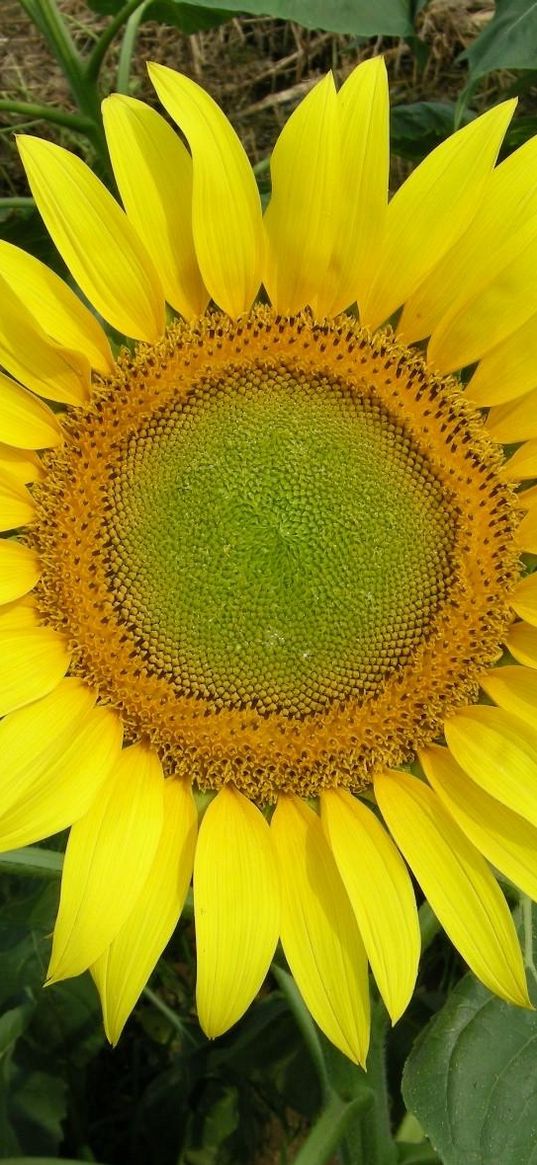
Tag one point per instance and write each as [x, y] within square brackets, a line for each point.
[268, 617]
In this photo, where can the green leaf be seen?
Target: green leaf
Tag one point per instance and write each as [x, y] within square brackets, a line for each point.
[26, 922]
[37, 1109]
[67, 1022]
[356, 17]
[12, 1025]
[215, 1125]
[519, 132]
[508, 42]
[189, 18]
[32, 862]
[471, 1080]
[106, 7]
[418, 128]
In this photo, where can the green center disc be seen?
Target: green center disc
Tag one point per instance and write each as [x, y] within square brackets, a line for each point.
[278, 541]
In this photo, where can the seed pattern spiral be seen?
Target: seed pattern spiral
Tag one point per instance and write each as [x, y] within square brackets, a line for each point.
[283, 551]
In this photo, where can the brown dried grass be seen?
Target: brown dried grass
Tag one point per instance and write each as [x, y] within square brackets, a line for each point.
[258, 69]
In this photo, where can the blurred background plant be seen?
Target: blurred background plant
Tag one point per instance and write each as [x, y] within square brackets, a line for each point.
[459, 1072]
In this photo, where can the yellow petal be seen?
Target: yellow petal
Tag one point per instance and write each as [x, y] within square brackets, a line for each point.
[380, 892]
[226, 209]
[320, 937]
[237, 908]
[24, 421]
[457, 883]
[29, 355]
[123, 970]
[522, 643]
[153, 171]
[510, 199]
[33, 660]
[479, 321]
[57, 776]
[514, 421]
[527, 498]
[513, 688]
[524, 599]
[107, 861]
[96, 240]
[508, 370]
[57, 309]
[21, 613]
[505, 839]
[432, 208]
[363, 106]
[22, 464]
[523, 464]
[499, 752]
[303, 218]
[16, 505]
[34, 738]
[19, 570]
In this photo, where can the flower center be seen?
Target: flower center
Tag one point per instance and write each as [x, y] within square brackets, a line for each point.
[277, 539]
[283, 551]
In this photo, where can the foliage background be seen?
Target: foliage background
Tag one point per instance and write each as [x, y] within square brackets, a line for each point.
[456, 1080]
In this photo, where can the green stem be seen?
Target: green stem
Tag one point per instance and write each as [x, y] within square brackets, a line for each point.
[47, 113]
[100, 50]
[368, 1139]
[127, 49]
[168, 1012]
[261, 167]
[359, 1098]
[328, 1131]
[16, 203]
[307, 1027]
[48, 19]
[376, 1078]
[429, 925]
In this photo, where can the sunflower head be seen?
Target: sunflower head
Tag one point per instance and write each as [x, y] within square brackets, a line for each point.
[271, 553]
[258, 553]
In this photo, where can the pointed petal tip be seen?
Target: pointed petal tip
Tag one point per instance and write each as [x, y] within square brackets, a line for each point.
[53, 974]
[213, 1030]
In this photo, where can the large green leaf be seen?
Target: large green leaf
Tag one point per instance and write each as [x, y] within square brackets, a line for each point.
[188, 18]
[508, 42]
[471, 1080]
[356, 17]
